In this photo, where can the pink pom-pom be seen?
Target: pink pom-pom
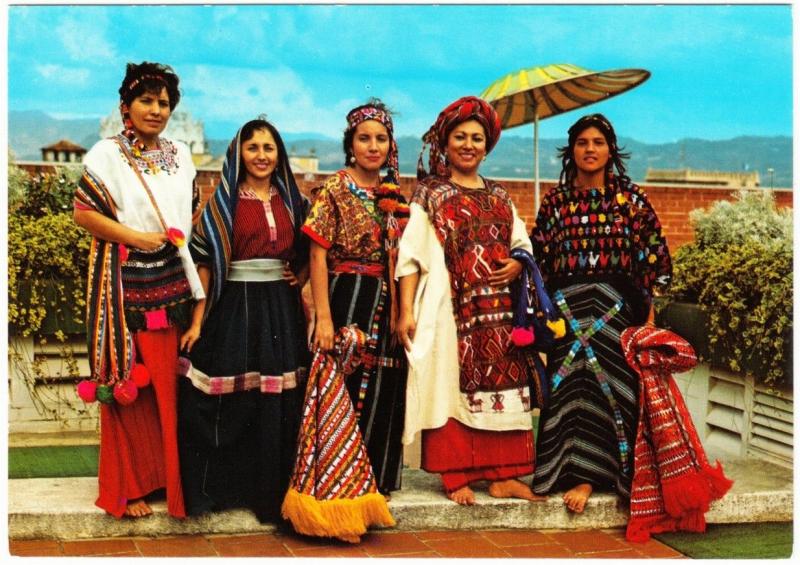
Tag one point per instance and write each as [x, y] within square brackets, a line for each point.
[125, 392]
[522, 336]
[123, 253]
[87, 391]
[140, 375]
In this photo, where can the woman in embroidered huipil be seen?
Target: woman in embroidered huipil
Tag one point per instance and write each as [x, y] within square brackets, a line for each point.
[601, 251]
[468, 385]
[137, 187]
[239, 403]
[354, 225]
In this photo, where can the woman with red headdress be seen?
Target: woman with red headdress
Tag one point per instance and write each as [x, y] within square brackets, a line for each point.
[354, 226]
[137, 198]
[468, 385]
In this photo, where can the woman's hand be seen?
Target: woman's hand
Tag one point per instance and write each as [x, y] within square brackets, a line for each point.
[508, 272]
[290, 277]
[189, 338]
[149, 241]
[323, 334]
[406, 327]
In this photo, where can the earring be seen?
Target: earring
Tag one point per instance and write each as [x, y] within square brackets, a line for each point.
[352, 158]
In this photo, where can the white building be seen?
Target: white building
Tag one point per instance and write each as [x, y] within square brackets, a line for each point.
[181, 127]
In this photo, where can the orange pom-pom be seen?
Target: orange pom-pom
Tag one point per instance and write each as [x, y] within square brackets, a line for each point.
[176, 237]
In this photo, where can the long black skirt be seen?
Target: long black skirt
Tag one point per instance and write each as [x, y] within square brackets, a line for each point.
[378, 387]
[238, 444]
[582, 438]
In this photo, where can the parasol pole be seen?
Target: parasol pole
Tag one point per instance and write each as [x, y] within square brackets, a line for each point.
[536, 162]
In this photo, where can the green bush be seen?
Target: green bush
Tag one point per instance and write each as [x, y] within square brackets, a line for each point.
[47, 251]
[739, 270]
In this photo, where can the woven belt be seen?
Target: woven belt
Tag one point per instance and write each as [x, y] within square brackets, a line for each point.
[257, 270]
[358, 268]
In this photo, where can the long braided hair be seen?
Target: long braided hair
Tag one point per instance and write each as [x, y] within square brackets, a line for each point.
[569, 171]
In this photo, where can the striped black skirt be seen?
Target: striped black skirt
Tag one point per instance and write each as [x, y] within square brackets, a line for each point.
[588, 428]
[378, 387]
[237, 435]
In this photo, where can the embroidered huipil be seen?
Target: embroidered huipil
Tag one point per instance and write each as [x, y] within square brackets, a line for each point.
[152, 281]
[610, 235]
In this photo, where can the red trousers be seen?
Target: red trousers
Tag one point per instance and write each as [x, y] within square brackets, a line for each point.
[138, 442]
[462, 454]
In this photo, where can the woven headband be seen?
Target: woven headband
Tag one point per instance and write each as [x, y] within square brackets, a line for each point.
[364, 113]
[135, 82]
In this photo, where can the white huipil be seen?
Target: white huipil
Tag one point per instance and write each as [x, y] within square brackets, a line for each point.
[172, 191]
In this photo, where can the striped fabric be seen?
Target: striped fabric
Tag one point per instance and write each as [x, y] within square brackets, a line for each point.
[578, 434]
[212, 239]
[109, 341]
[554, 89]
[272, 384]
[333, 491]
[673, 482]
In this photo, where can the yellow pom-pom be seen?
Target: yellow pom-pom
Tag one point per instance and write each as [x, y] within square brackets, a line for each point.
[558, 328]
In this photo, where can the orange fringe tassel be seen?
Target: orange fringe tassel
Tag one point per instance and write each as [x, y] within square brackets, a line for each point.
[346, 518]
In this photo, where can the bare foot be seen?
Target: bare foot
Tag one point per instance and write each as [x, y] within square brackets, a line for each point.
[512, 488]
[349, 539]
[463, 496]
[576, 497]
[387, 496]
[138, 509]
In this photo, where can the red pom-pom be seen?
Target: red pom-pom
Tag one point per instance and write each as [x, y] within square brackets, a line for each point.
[125, 392]
[176, 237]
[87, 391]
[140, 375]
[522, 336]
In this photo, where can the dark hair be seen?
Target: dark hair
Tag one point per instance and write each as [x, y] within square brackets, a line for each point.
[248, 131]
[349, 133]
[615, 155]
[149, 77]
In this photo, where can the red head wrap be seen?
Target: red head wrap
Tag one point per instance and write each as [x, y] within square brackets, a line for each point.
[463, 109]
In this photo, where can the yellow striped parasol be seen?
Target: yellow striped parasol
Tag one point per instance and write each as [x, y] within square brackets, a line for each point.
[536, 93]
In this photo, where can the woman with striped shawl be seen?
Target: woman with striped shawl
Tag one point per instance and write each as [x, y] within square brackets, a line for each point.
[601, 251]
[240, 398]
[354, 225]
[136, 188]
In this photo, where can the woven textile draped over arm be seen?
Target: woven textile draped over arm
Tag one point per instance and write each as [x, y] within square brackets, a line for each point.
[109, 341]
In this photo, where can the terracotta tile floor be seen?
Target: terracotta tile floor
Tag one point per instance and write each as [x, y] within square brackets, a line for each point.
[609, 544]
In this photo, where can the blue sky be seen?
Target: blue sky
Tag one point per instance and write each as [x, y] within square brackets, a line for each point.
[717, 71]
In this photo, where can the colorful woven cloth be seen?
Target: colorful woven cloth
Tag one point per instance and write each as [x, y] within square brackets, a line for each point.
[110, 342]
[673, 483]
[333, 492]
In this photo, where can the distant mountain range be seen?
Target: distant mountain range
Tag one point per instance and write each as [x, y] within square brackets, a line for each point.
[28, 131]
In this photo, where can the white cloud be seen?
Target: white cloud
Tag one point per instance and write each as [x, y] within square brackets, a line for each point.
[63, 75]
[236, 94]
[84, 40]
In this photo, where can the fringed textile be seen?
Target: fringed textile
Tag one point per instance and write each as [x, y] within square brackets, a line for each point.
[673, 482]
[109, 341]
[333, 492]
